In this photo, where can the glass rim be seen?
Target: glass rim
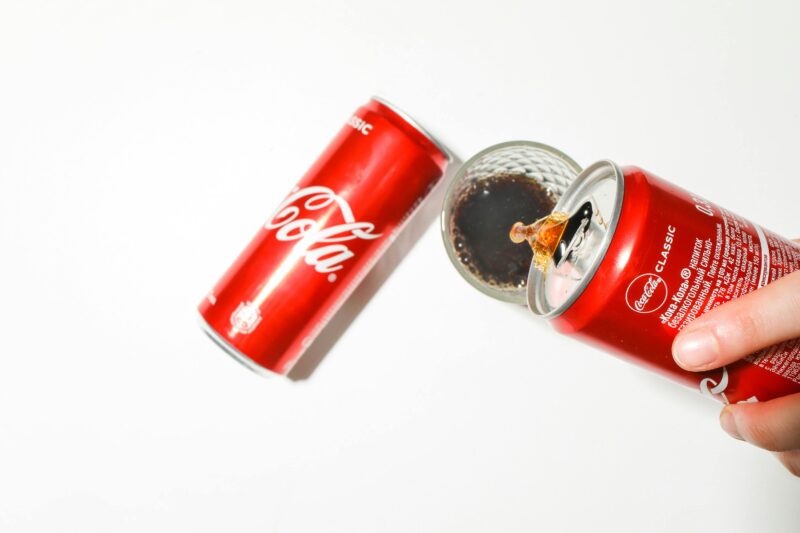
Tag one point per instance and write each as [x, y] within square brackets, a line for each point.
[518, 296]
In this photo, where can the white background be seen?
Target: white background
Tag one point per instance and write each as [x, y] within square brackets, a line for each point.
[143, 143]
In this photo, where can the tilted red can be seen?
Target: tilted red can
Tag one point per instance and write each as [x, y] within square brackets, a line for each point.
[649, 259]
[323, 238]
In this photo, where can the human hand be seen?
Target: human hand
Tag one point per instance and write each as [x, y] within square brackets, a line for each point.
[739, 328]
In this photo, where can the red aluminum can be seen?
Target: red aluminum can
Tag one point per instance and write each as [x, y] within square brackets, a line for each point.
[654, 257]
[323, 238]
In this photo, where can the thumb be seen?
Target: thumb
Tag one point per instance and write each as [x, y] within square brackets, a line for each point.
[741, 327]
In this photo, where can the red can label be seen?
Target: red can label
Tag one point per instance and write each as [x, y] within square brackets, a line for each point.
[686, 256]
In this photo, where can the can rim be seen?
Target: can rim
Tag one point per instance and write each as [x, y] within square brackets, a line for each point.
[416, 125]
[232, 351]
[511, 296]
[536, 278]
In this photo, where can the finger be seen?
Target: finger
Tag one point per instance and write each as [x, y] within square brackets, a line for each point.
[791, 460]
[772, 425]
[740, 327]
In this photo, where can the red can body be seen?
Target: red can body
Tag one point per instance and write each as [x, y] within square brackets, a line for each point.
[673, 257]
[323, 238]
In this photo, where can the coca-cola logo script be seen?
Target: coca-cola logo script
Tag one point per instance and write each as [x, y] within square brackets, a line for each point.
[321, 247]
[646, 293]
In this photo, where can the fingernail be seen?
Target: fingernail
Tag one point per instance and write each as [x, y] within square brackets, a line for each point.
[695, 349]
[728, 423]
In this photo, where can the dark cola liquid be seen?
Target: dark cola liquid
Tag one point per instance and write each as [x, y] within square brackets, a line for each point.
[482, 218]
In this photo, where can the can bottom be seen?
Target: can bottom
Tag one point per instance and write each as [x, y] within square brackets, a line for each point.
[233, 352]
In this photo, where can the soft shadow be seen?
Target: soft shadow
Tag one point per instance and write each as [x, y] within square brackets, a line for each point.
[408, 237]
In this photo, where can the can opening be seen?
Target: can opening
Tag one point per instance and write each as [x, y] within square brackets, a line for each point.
[593, 202]
[556, 237]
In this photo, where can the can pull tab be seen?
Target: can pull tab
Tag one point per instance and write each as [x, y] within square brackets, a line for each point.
[555, 236]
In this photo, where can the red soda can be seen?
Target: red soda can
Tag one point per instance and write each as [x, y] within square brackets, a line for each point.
[638, 259]
[323, 238]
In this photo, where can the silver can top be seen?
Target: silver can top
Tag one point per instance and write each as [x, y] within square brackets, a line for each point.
[491, 191]
[552, 290]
